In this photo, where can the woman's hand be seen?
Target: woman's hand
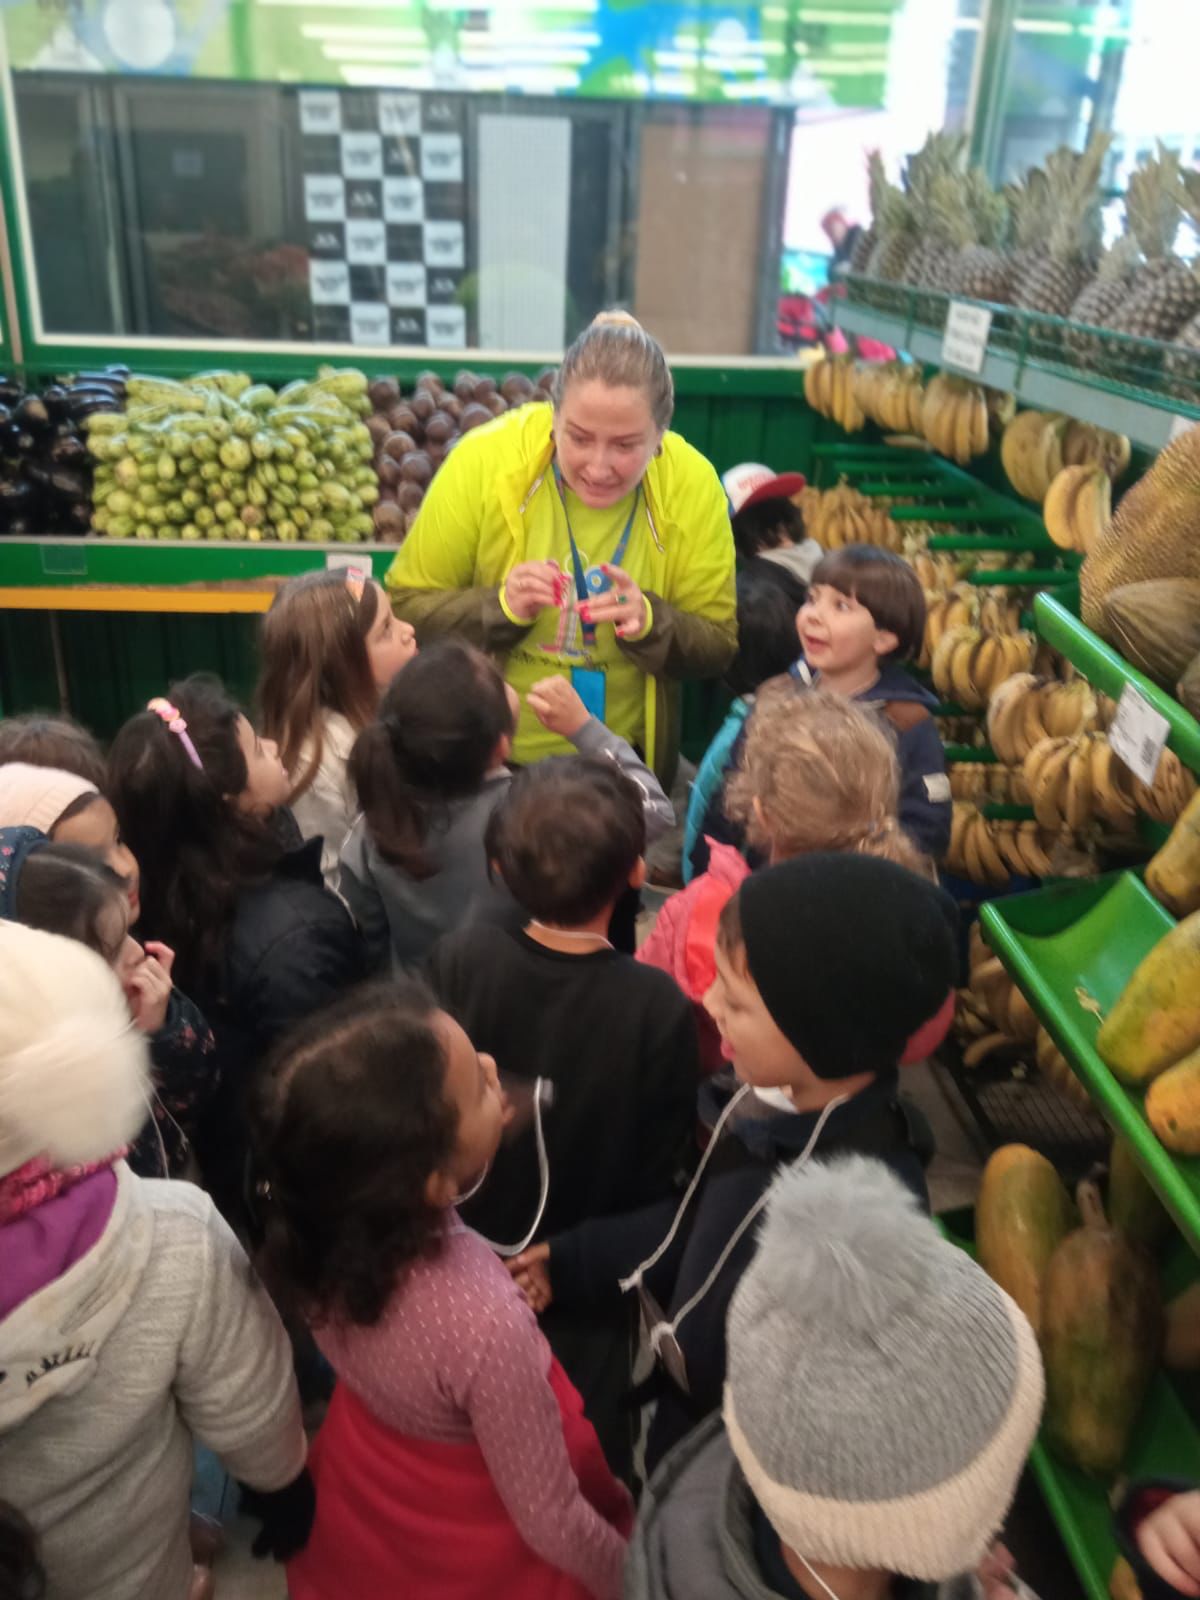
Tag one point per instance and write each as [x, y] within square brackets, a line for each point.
[531, 587]
[1169, 1540]
[557, 706]
[531, 1273]
[624, 605]
[149, 988]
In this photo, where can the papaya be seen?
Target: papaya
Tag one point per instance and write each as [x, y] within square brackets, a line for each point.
[1122, 1583]
[1173, 876]
[1102, 1329]
[1181, 1341]
[1021, 1217]
[1133, 1206]
[1173, 1106]
[1156, 1020]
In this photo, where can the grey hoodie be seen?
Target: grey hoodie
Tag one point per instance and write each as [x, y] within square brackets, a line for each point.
[694, 1538]
[157, 1335]
[406, 916]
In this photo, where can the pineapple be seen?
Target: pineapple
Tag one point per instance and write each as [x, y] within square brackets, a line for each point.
[1027, 209]
[877, 184]
[1183, 362]
[1103, 297]
[982, 271]
[895, 236]
[1073, 204]
[1165, 293]
[933, 180]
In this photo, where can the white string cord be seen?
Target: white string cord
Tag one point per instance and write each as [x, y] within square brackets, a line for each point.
[539, 1133]
[662, 1329]
[633, 1281]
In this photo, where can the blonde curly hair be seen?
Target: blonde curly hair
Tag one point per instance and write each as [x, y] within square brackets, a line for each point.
[819, 773]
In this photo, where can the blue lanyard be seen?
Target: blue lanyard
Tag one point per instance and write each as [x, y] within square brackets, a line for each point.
[618, 556]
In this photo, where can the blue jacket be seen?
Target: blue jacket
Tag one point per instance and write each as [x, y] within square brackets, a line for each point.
[925, 805]
[710, 778]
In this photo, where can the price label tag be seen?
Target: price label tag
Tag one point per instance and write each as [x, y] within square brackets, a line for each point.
[1180, 426]
[1138, 734]
[352, 565]
[964, 343]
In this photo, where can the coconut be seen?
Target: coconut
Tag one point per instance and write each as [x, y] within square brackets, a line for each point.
[439, 428]
[383, 393]
[416, 468]
[398, 445]
[423, 405]
[404, 419]
[431, 381]
[388, 470]
[389, 521]
[473, 416]
[496, 403]
[409, 496]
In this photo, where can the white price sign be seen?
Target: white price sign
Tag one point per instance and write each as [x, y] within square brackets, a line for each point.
[964, 343]
[1179, 426]
[1138, 734]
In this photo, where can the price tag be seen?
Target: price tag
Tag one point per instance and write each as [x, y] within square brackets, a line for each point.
[964, 343]
[350, 564]
[1138, 734]
[1180, 426]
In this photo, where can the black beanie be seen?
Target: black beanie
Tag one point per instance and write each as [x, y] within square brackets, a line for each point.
[851, 955]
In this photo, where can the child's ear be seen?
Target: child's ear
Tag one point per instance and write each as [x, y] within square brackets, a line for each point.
[441, 1190]
[637, 878]
[886, 642]
[501, 753]
[760, 815]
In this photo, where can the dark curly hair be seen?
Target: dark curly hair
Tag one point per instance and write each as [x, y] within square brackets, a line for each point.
[197, 851]
[66, 889]
[348, 1119]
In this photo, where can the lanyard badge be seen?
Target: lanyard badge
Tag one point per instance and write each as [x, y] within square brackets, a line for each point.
[593, 581]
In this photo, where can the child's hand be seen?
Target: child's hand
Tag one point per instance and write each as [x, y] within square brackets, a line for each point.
[149, 990]
[1169, 1540]
[531, 1273]
[557, 706]
[996, 1572]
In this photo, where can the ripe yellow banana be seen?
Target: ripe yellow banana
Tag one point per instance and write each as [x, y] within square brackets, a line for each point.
[1077, 807]
[1005, 708]
[963, 689]
[1091, 511]
[979, 1049]
[1020, 438]
[995, 871]
[964, 427]
[1046, 774]
[979, 421]
[1058, 506]
[1037, 862]
[944, 656]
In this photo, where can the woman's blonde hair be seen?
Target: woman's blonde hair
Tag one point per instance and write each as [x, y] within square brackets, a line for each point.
[616, 350]
[825, 777]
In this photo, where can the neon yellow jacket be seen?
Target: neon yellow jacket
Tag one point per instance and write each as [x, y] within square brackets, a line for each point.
[496, 489]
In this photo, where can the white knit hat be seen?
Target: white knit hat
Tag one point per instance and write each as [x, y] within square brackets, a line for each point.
[36, 797]
[882, 1392]
[74, 1071]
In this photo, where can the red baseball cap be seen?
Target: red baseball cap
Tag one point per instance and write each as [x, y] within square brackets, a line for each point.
[751, 482]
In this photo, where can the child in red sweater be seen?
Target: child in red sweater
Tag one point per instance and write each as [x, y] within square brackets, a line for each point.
[455, 1462]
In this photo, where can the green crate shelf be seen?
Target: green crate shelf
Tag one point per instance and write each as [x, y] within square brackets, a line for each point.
[1029, 357]
[1107, 671]
[1072, 948]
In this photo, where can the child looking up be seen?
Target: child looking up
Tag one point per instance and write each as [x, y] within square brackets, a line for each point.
[615, 1039]
[330, 647]
[817, 772]
[455, 1460]
[69, 810]
[131, 1325]
[768, 528]
[826, 965]
[430, 771]
[882, 1397]
[864, 617]
[65, 889]
[44, 741]
[258, 939]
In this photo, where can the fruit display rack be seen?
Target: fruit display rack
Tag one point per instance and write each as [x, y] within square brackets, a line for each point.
[1032, 357]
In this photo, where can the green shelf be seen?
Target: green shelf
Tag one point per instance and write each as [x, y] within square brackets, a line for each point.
[1071, 948]
[1107, 671]
[956, 754]
[66, 563]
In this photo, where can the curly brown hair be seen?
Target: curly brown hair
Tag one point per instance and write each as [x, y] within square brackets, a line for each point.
[348, 1120]
[819, 773]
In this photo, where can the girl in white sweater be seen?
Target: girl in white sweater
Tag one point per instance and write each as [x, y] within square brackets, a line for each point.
[330, 647]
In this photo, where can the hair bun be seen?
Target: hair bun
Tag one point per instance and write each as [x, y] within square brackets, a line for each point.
[616, 318]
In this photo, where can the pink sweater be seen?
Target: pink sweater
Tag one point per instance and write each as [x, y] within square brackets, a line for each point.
[458, 1355]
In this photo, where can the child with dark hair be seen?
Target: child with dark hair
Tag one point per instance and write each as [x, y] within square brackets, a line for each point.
[816, 1042]
[258, 939]
[455, 1459]
[768, 529]
[131, 1324]
[863, 618]
[430, 771]
[67, 890]
[40, 740]
[69, 809]
[554, 1000]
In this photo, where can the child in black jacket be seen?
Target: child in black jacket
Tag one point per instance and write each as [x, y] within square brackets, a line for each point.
[826, 965]
[616, 1039]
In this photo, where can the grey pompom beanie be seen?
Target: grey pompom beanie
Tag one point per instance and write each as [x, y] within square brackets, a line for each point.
[882, 1393]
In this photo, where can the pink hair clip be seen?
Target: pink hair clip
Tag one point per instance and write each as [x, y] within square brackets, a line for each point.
[356, 581]
[175, 723]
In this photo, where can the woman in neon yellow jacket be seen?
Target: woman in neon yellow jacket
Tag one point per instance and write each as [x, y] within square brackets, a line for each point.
[583, 540]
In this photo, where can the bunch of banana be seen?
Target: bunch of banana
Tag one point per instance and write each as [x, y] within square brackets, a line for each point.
[1026, 709]
[1056, 1069]
[1078, 507]
[891, 394]
[954, 418]
[999, 611]
[961, 730]
[990, 853]
[957, 607]
[829, 389]
[980, 780]
[969, 665]
[1002, 408]
[937, 572]
[1058, 772]
[1031, 449]
[846, 517]
[1086, 445]
[1167, 797]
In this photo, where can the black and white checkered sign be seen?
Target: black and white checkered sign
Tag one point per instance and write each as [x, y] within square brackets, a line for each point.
[385, 207]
